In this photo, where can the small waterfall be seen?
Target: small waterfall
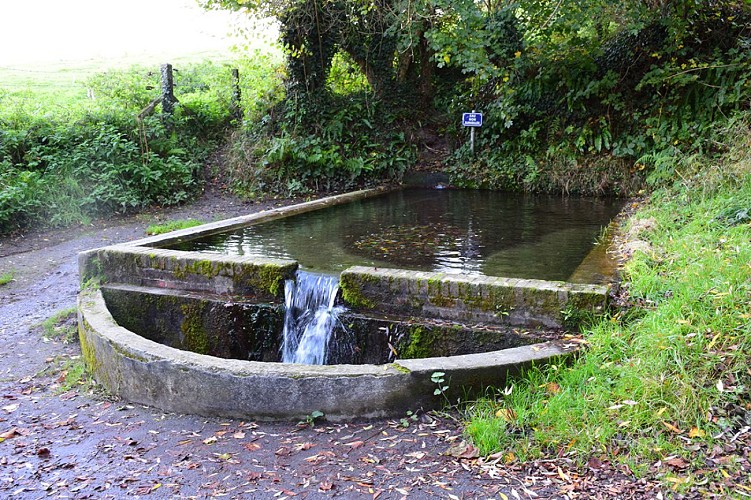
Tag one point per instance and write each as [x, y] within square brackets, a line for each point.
[310, 318]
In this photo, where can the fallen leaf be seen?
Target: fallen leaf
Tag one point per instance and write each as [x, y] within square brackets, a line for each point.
[10, 434]
[676, 462]
[553, 387]
[326, 486]
[10, 408]
[463, 450]
[282, 452]
[43, 452]
[355, 444]
[696, 432]
[671, 427]
[506, 414]
[239, 435]
[304, 446]
[252, 446]
[211, 440]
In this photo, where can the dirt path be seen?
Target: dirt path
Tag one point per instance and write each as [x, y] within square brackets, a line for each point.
[78, 443]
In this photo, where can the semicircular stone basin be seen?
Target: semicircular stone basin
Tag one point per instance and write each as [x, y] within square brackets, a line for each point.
[193, 330]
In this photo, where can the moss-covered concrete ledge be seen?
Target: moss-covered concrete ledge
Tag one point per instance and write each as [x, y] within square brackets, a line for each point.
[522, 302]
[143, 371]
[254, 278]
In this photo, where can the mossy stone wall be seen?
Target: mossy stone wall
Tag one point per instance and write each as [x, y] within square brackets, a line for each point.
[255, 279]
[490, 300]
[217, 326]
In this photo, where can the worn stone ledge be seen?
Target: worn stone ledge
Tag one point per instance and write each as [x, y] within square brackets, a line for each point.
[210, 228]
[492, 300]
[260, 279]
[145, 372]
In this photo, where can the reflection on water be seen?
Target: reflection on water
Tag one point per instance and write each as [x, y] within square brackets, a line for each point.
[453, 231]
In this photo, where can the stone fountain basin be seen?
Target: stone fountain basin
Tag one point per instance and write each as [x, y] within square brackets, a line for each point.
[146, 372]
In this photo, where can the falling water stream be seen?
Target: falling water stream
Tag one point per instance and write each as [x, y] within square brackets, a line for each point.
[310, 317]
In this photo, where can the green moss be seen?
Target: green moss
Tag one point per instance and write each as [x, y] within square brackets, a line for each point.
[352, 285]
[205, 268]
[542, 302]
[355, 298]
[419, 344]
[126, 353]
[263, 278]
[196, 338]
[92, 268]
[441, 301]
[271, 278]
[87, 350]
[434, 285]
[202, 267]
[400, 368]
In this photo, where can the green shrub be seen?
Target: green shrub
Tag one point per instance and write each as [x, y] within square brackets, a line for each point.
[322, 142]
[65, 162]
[641, 86]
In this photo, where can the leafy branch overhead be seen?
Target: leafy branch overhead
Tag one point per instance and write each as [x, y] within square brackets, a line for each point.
[592, 97]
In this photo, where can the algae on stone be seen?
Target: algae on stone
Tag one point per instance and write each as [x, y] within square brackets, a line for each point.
[195, 336]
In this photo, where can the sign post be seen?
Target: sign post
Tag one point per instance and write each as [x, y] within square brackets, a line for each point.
[472, 120]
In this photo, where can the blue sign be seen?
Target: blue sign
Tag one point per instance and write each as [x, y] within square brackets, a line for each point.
[472, 119]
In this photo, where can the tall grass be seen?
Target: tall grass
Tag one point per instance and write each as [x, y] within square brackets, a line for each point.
[665, 371]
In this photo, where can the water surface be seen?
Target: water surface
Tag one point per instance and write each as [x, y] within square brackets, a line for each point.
[454, 231]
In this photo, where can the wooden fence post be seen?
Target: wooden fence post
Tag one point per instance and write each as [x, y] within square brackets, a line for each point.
[168, 97]
[236, 107]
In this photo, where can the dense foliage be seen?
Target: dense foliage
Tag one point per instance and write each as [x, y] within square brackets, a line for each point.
[589, 97]
[63, 162]
[603, 95]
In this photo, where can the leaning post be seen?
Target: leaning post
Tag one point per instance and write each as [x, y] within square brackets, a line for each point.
[236, 108]
[168, 97]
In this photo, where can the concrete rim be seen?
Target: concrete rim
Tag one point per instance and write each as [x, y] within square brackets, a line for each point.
[143, 371]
